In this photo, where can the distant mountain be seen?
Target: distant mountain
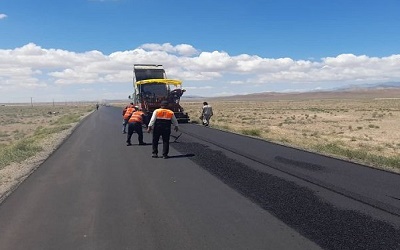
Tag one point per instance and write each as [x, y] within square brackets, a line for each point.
[368, 91]
[389, 85]
[184, 97]
[371, 86]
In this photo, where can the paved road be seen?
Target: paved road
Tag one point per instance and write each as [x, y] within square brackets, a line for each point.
[218, 191]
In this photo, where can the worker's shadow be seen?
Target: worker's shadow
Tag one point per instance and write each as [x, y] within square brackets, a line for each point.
[181, 156]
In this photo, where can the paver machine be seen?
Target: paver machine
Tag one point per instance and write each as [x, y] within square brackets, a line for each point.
[151, 87]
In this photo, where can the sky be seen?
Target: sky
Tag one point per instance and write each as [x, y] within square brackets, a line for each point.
[84, 50]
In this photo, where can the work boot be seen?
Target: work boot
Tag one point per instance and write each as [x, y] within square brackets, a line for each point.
[154, 155]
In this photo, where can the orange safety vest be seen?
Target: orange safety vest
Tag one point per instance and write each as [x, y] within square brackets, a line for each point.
[164, 114]
[124, 110]
[128, 112]
[136, 117]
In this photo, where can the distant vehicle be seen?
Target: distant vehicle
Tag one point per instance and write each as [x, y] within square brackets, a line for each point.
[151, 87]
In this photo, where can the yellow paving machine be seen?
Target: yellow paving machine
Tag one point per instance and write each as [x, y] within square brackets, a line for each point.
[151, 87]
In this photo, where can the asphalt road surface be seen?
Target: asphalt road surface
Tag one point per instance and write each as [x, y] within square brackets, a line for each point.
[217, 191]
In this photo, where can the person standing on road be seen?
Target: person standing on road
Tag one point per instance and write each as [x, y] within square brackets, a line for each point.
[135, 123]
[126, 116]
[206, 113]
[160, 123]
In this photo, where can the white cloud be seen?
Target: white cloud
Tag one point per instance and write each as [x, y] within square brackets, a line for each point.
[213, 61]
[181, 49]
[3, 16]
[200, 87]
[32, 67]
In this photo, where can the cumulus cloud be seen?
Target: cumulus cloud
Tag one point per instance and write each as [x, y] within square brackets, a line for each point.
[181, 49]
[2, 16]
[31, 66]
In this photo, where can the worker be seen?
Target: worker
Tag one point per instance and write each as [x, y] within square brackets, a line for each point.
[160, 124]
[135, 123]
[126, 116]
[206, 113]
[175, 95]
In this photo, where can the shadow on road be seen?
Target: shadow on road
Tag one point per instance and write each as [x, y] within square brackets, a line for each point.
[181, 156]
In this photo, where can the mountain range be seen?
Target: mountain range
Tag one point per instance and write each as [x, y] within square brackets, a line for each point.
[374, 91]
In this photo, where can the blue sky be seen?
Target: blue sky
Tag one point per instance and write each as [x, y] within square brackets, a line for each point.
[85, 49]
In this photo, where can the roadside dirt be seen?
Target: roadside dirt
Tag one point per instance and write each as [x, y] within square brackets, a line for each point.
[13, 174]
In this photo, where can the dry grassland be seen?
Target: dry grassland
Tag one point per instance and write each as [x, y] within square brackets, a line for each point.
[28, 135]
[18, 122]
[364, 130]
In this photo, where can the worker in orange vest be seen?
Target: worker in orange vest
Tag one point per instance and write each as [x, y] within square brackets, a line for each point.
[160, 124]
[135, 124]
[126, 115]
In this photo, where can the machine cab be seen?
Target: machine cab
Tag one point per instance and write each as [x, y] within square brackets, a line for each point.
[151, 92]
